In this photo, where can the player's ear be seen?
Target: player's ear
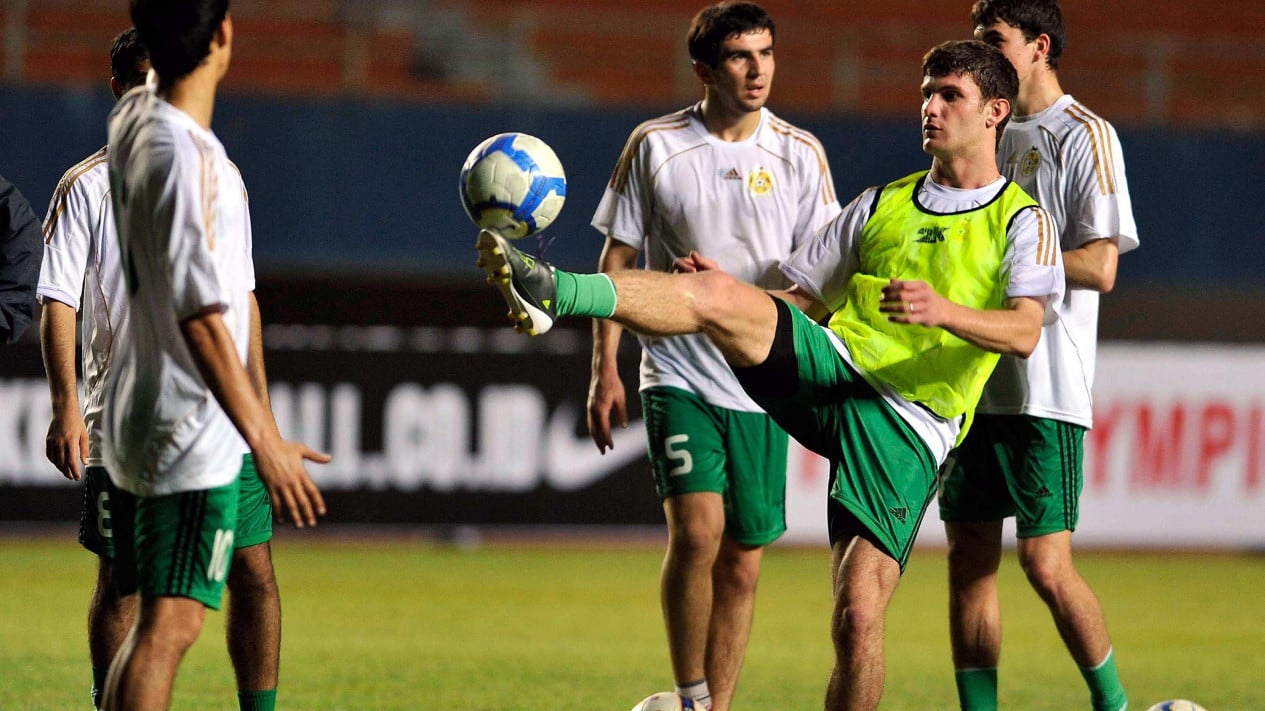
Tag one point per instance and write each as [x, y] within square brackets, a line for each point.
[116, 88]
[224, 33]
[1042, 46]
[703, 72]
[996, 112]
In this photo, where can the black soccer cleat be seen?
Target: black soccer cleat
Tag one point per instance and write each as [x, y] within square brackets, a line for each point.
[526, 284]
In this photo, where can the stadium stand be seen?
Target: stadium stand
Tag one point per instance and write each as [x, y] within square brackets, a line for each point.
[1160, 63]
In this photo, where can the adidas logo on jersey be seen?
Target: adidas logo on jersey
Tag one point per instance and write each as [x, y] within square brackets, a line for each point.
[1043, 493]
[732, 174]
[900, 513]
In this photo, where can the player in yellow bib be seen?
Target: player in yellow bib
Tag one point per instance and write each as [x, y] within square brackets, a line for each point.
[887, 417]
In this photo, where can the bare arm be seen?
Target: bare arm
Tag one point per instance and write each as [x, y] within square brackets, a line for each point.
[280, 463]
[1093, 264]
[804, 301]
[606, 388]
[255, 358]
[1013, 330]
[66, 445]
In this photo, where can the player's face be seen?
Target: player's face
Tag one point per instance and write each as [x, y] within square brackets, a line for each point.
[1024, 55]
[744, 71]
[954, 117]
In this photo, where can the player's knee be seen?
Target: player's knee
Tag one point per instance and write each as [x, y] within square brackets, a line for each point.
[738, 572]
[856, 618]
[853, 624]
[715, 297]
[252, 571]
[694, 538]
[172, 628]
[1047, 570]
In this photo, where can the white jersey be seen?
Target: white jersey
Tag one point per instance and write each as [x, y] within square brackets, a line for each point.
[184, 233]
[81, 269]
[746, 204]
[1069, 161]
[824, 265]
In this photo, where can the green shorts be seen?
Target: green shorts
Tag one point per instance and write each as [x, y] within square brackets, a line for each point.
[254, 508]
[178, 545]
[96, 529]
[694, 446]
[254, 511]
[1015, 465]
[882, 473]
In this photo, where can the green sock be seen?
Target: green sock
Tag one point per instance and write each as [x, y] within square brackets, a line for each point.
[1105, 690]
[977, 689]
[257, 700]
[584, 294]
[98, 684]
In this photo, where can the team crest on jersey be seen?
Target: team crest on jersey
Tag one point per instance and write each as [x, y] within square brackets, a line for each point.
[759, 181]
[1031, 161]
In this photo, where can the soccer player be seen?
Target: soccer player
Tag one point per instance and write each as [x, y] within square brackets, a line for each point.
[1023, 457]
[20, 249]
[727, 178]
[180, 400]
[81, 271]
[928, 278]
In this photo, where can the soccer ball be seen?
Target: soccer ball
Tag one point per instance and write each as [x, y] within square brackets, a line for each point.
[1176, 705]
[513, 184]
[667, 701]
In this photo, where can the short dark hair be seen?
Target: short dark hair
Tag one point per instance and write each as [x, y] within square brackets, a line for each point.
[993, 73]
[177, 33]
[1033, 18]
[716, 23]
[126, 55]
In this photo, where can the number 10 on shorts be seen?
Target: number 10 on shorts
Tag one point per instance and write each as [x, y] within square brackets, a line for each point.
[221, 555]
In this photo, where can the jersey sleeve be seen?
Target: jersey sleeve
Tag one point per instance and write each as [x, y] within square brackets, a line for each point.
[67, 238]
[248, 232]
[818, 203]
[184, 213]
[1100, 203]
[1034, 262]
[823, 265]
[624, 212]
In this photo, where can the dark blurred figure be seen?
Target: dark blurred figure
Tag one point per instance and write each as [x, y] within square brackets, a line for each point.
[21, 247]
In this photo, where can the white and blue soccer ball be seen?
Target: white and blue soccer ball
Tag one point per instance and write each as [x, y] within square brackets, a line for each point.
[1176, 705]
[513, 184]
[668, 701]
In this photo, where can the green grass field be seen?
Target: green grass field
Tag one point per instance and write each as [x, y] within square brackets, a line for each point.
[514, 626]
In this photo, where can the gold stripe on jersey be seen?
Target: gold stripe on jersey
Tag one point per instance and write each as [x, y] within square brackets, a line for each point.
[62, 193]
[1048, 239]
[672, 122]
[827, 186]
[210, 189]
[1100, 139]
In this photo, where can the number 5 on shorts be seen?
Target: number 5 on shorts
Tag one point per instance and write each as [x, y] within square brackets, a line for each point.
[685, 462]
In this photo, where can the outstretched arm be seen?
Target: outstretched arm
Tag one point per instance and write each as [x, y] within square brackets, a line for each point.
[280, 463]
[1014, 330]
